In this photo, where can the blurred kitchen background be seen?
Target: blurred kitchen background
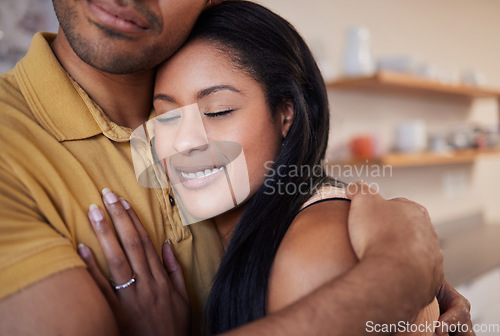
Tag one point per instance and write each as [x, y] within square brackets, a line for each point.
[414, 88]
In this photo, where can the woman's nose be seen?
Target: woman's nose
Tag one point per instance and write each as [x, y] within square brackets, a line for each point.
[191, 135]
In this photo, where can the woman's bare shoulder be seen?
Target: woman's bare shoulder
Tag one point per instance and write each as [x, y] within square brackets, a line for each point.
[315, 250]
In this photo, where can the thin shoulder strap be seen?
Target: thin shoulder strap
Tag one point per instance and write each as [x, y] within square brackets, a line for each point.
[324, 193]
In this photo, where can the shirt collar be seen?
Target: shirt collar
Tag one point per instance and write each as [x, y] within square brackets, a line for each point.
[58, 103]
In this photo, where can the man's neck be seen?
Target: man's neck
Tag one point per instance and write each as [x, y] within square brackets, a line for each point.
[125, 99]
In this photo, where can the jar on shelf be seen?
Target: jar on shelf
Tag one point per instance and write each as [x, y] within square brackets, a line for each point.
[357, 59]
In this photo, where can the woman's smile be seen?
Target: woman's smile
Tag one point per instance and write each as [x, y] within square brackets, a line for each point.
[197, 178]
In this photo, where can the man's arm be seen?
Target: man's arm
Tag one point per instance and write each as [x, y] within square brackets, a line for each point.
[344, 306]
[66, 303]
[399, 272]
[44, 287]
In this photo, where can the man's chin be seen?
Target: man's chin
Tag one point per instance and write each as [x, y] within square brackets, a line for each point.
[107, 59]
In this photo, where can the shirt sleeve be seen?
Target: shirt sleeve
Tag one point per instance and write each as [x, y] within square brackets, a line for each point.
[30, 248]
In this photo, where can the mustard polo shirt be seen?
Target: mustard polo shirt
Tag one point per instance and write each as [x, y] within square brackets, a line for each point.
[58, 150]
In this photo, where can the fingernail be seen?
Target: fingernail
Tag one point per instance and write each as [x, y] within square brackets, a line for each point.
[125, 204]
[168, 242]
[109, 196]
[96, 213]
[83, 250]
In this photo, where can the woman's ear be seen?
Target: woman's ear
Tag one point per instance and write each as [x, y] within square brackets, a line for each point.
[287, 115]
[211, 3]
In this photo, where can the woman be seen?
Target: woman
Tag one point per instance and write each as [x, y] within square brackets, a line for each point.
[248, 79]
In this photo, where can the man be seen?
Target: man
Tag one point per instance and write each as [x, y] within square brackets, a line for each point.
[67, 111]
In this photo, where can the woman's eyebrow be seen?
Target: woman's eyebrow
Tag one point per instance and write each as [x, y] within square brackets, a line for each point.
[201, 94]
[213, 89]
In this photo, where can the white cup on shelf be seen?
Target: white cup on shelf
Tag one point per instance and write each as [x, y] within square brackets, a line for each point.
[411, 136]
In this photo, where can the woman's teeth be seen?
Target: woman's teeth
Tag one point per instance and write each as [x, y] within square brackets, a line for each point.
[201, 173]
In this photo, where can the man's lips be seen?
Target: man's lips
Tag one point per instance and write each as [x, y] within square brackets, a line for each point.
[122, 18]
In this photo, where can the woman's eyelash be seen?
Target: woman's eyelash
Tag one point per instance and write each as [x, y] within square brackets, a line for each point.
[217, 114]
[207, 114]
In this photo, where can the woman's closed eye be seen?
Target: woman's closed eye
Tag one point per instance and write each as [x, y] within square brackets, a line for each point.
[218, 113]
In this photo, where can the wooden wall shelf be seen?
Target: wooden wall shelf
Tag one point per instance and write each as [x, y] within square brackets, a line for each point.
[399, 160]
[392, 80]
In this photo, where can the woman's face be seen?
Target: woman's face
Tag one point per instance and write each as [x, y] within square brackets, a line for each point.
[214, 131]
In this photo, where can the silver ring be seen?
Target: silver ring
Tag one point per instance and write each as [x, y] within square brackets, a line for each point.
[124, 285]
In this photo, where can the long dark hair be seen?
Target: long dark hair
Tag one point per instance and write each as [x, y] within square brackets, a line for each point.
[273, 53]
